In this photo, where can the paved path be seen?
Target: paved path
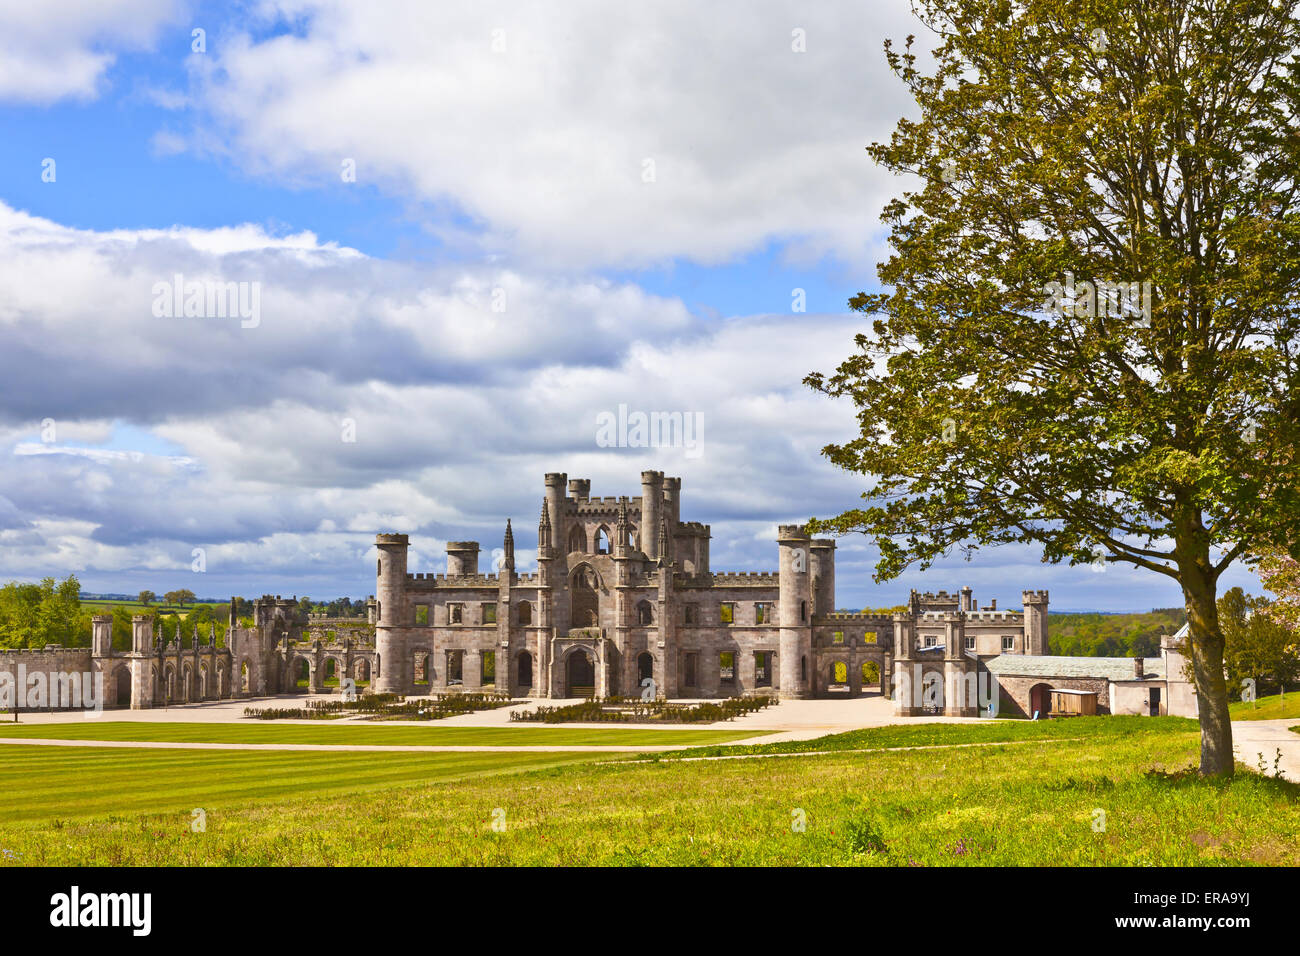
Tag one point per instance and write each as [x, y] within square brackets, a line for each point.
[1251, 738]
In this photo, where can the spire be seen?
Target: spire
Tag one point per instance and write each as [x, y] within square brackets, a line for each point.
[544, 527]
[509, 547]
[663, 538]
[621, 529]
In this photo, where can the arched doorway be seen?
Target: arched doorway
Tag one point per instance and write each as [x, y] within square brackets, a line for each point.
[301, 676]
[122, 686]
[361, 672]
[932, 692]
[838, 676]
[645, 669]
[581, 674]
[584, 603]
[1040, 700]
[525, 671]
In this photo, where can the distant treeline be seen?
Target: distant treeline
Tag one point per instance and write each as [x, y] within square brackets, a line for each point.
[1094, 634]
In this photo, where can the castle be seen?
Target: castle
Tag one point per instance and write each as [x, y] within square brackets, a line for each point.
[623, 599]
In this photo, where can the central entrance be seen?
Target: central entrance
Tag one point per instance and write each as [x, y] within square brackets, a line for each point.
[581, 675]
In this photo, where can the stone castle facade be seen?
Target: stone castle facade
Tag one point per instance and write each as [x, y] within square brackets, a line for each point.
[623, 602]
[624, 598]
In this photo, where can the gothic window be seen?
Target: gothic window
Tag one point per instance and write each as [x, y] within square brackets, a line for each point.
[525, 613]
[645, 615]
[602, 541]
[577, 539]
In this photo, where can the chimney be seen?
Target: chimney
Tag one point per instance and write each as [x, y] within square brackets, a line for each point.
[993, 605]
[1137, 667]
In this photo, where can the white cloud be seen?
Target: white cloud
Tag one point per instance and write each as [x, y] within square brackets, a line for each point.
[546, 140]
[50, 52]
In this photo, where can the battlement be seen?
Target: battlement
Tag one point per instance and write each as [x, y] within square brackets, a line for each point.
[726, 578]
[455, 580]
[853, 617]
[1034, 597]
[994, 616]
[608, 505]
[791, 531]
[392, 538]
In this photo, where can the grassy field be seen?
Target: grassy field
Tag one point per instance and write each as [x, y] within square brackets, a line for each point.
[53, 784]
[1274, 707]
[1100, 799]
[368, 734]
[931, 735]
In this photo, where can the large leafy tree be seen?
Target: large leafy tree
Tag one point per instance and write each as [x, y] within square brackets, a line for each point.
[1078, 143]
[1256, 646]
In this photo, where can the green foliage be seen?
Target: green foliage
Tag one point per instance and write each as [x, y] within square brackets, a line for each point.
[33, 615]
[1112, 635]
[1258, 646]
[1003, 394]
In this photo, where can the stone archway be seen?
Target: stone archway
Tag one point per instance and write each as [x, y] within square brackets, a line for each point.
[1040, 700]
[525, 671]
[580, 674]
[121, 686]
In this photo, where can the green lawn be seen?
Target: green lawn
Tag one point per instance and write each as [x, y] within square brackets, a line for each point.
[1273, 707]
[368, 734]
[50, 784]
[993, 731]
[1099, 799]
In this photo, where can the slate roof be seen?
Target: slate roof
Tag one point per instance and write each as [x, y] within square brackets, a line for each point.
[1100, 668]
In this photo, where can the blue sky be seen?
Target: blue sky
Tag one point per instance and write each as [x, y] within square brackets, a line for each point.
[556, 209]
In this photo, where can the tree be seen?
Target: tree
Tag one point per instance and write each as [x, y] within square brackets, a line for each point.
[33, 615]
[179, 597]
[1280, 573]
[1000, 398]
[1256, 646]
[147, 597]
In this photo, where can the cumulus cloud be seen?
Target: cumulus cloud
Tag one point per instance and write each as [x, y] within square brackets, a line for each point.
[50, 52]
[580, 133]
[371, 396]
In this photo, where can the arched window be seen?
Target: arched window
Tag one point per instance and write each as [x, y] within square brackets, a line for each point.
[525, 613]
[602, 541]
[577, 539]
[645, 615]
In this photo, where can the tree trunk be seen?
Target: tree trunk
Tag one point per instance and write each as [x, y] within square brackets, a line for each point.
[1206, 644]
